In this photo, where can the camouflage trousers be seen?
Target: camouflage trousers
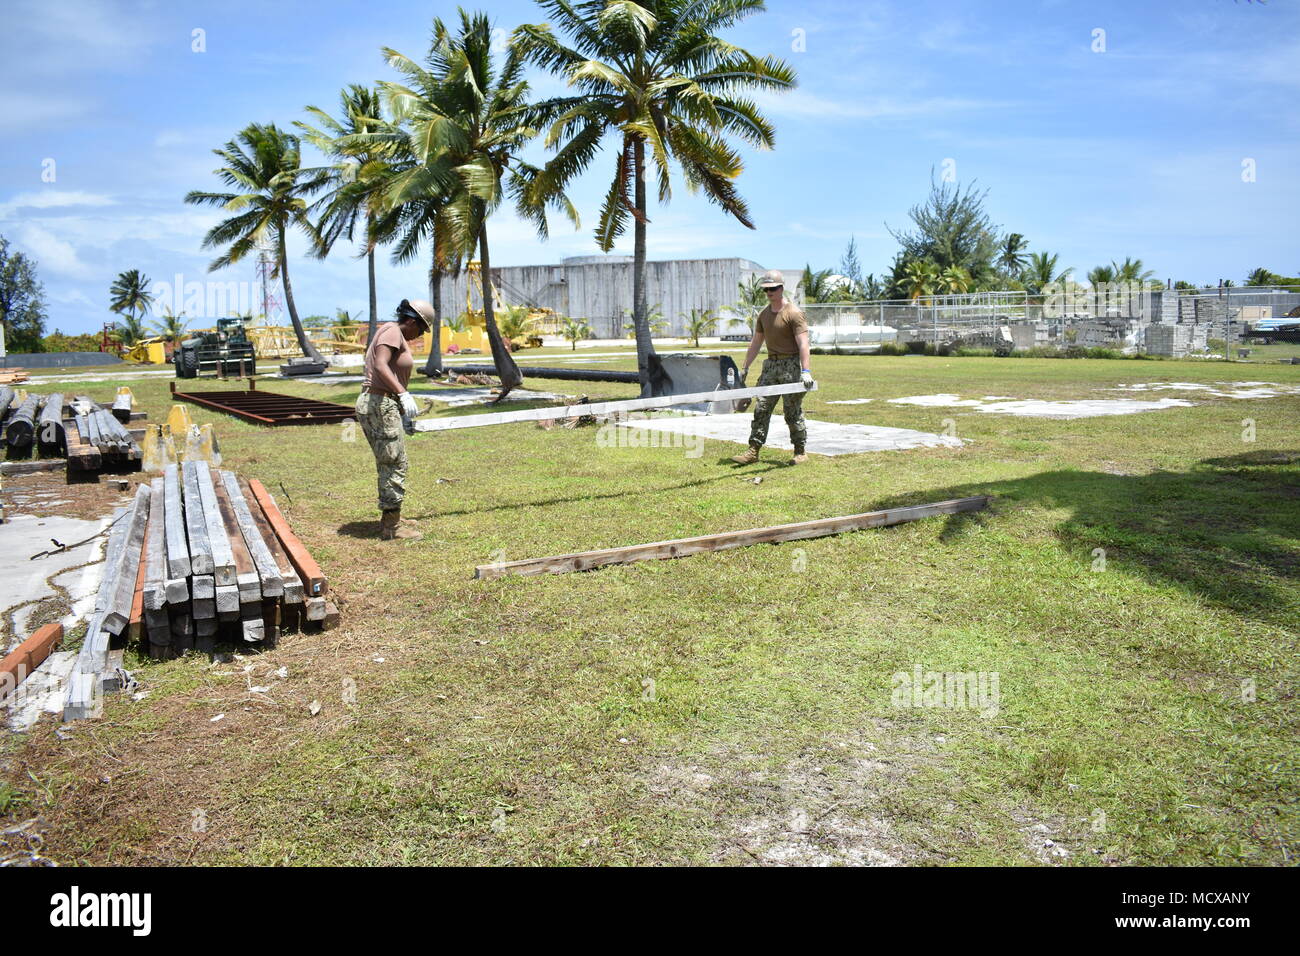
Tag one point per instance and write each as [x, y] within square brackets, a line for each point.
[381, 422]
[780, 371]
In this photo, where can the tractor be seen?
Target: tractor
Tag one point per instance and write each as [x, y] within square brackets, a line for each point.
[223, 351]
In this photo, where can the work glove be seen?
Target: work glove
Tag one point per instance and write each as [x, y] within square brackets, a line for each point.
[408, 405]
[806, 378]
[408, 425]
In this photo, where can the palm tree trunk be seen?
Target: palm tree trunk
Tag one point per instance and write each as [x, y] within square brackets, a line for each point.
[374, 301]
[640, 311]
[304, 343]
[506, 368]
[433, 367]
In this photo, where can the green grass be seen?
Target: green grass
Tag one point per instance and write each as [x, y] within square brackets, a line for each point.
[736, 707]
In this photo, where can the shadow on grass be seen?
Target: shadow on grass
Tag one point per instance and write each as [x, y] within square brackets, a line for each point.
[1226, 530]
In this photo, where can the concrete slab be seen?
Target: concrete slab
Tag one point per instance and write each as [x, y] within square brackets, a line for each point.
[824, 438]
[43, 692]
[1035, 408]
[1218, 389]
[23, 581]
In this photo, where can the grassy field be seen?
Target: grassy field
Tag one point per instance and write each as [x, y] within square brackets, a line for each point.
[738, 708]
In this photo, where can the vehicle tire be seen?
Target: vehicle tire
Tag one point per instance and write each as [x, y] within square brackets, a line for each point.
[187, 363]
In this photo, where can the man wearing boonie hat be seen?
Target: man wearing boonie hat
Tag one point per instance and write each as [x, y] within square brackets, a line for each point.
[782, 326]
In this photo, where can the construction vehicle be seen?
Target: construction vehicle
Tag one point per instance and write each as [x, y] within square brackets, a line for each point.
[223, 351]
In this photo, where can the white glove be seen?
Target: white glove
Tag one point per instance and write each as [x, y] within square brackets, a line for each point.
[408, 405]
[806, 378]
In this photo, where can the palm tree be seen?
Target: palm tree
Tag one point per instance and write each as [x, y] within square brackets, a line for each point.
[170, 325]
[470, 122]
[129, 331]
[1100, 276]
[1130, 272]
[1011, 257]
[130, 293]
[657, 75]
[264, 163]
[920, 278]
[574, 330]
[1261, 276]
[361, 173]
[817, 286]
[517, 323]
[954, 280]
[699, 322]
[1041, 272]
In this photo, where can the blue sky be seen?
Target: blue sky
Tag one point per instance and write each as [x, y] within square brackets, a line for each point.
[1136, 150]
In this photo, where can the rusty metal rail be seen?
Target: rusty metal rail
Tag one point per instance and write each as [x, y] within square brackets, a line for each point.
[269, 408]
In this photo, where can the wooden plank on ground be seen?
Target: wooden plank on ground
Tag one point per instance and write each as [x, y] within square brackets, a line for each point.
[196, 526]
[309, 571]
[27, 656]
[605, 408]
[178, 550]
[267, 570]
[117, 613]
[681, 547]
[246, 576]
[293, 589]
[155, 549]
[223, 558]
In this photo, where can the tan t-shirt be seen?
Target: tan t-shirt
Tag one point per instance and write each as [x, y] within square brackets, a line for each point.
[779, 330]
[402, 360]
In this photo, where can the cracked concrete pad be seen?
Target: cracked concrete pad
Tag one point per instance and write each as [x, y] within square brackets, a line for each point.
[1218, 389]
[824, 438]
[26, 582]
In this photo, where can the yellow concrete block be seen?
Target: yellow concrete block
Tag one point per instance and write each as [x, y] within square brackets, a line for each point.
[179, 419]
[158, 450]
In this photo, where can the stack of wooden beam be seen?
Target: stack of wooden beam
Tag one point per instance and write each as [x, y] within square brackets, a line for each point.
[13, 376]
[95, 440]
[223, 566]
[201, 558]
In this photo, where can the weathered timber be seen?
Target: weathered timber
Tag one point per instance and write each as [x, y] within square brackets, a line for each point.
[293, 587]
[155, 563]
[309, 572]
[27, 656]
[681, 547]
[604, 408]
[272, 585]
[223, 559]
[246, 577]
[196, 525]
[117, 612]
[21, 425]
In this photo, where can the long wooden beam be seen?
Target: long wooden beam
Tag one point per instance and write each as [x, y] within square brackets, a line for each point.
[605, 408]
[681, 547]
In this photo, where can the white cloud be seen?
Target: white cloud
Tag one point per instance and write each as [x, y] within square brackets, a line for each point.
[52, 199]
[51, 253]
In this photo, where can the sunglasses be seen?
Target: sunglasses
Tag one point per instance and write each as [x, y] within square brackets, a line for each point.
[774, 288]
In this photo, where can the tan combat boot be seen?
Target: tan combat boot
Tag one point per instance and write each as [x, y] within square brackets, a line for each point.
[390, 527]
[800, 456]
[747, 457]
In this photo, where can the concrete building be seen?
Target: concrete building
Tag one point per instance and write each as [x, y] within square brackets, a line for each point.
[599, 289]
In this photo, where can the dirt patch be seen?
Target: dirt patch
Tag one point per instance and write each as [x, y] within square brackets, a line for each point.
[825, 806]
[50, 493]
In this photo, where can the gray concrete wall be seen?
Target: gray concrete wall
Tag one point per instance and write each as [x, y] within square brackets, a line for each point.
[599, 289]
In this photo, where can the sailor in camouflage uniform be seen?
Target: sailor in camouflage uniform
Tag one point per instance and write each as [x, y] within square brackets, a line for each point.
[782, 326]
[385, 408]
